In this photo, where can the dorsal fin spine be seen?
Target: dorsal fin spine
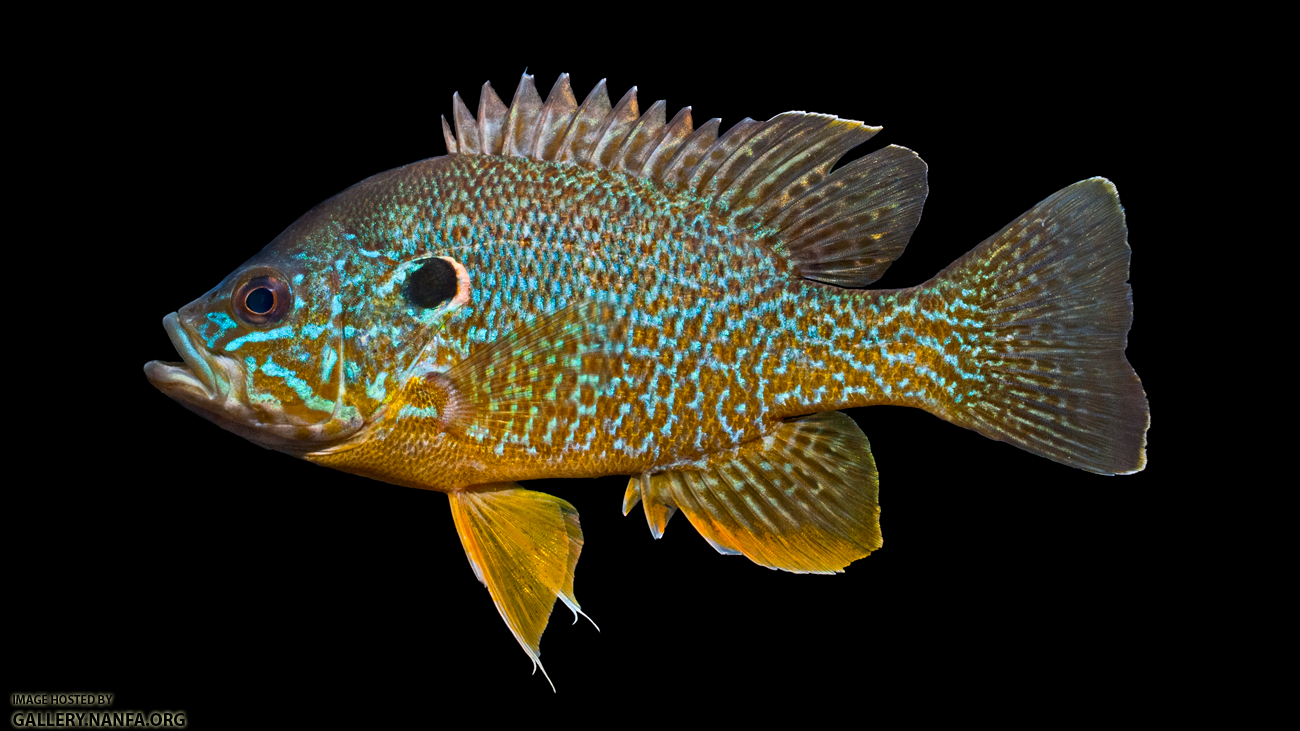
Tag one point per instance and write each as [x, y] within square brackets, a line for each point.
[466, 127]
[623, 116]
[678, 130]
[647, 130]
[491, 117]
[554, 120]
[522, 118]
[720, 151]
[586, 124]
[689, 152]
[448, 137]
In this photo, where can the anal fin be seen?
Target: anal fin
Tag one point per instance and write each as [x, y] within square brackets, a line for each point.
[524, 546]
[801, 499]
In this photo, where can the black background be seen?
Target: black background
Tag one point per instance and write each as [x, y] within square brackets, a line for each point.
[179, 566]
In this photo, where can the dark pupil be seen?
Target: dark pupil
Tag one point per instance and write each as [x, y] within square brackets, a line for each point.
[260, 300]
[431, 284]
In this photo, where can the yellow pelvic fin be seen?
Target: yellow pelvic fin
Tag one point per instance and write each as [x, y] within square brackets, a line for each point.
[524, 547]
[802, 499]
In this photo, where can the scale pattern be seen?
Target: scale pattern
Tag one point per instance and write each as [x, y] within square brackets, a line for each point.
[723, 339]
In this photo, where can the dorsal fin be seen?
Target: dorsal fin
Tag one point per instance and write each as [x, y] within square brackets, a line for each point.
[554, 121]
[610, 137]
[491, 118]
[843, 228]
[521, 120]
[466, 127]
[586, 125]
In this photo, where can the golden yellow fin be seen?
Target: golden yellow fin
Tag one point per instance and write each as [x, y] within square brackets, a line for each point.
[659, 507]
[801, 499]
[524, 547]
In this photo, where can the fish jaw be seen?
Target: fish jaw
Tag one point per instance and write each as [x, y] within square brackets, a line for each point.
[211, 385]
[195, 379]
[201, 382]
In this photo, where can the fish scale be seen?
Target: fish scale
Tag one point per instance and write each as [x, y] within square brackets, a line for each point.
[580, 290]
[717, 323]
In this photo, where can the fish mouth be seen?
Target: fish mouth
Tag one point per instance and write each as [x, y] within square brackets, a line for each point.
[211, 386]
[192, 380]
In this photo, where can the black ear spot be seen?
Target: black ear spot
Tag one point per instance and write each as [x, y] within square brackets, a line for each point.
[431, 284]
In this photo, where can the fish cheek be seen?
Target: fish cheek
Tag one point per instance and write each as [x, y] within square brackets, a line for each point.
[286, 382]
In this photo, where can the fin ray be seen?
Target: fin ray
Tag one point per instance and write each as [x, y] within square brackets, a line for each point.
[1052, 290]
[550, 367]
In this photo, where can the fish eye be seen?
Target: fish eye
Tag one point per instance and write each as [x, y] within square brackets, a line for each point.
[262, 300]
[431, 284]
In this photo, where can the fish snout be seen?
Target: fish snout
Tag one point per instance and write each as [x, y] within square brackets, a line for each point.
[193, 378]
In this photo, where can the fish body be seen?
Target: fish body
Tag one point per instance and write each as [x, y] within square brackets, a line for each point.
[585, 290]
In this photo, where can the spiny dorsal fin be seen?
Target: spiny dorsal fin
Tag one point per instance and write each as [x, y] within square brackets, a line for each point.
[843, 228]
[677, 131]
[554, 122]
[641, 140]
[690, 152]
[466, 127]
[491, 118]
[586, 125]
[521, 120]
[610, 137]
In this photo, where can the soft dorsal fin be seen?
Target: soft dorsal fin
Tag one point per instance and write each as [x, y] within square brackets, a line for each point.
[844, 227]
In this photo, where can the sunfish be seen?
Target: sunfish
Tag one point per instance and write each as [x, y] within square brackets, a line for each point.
[578, 290]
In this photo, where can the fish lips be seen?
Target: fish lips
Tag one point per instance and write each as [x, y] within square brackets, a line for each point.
[193, 381]
[195, 385]
[211, 386]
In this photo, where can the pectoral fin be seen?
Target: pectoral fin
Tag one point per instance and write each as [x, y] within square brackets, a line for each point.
[524, 547]
[801, 499]
[548, 370]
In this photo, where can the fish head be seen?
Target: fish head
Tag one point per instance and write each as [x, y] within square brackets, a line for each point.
[302, 346]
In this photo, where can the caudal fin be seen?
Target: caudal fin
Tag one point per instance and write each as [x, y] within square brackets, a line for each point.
[1051, 310]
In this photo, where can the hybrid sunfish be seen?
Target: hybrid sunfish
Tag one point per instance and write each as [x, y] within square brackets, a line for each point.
[578, 290]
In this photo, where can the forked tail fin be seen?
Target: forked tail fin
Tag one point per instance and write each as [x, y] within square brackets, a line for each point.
[1050, 310]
